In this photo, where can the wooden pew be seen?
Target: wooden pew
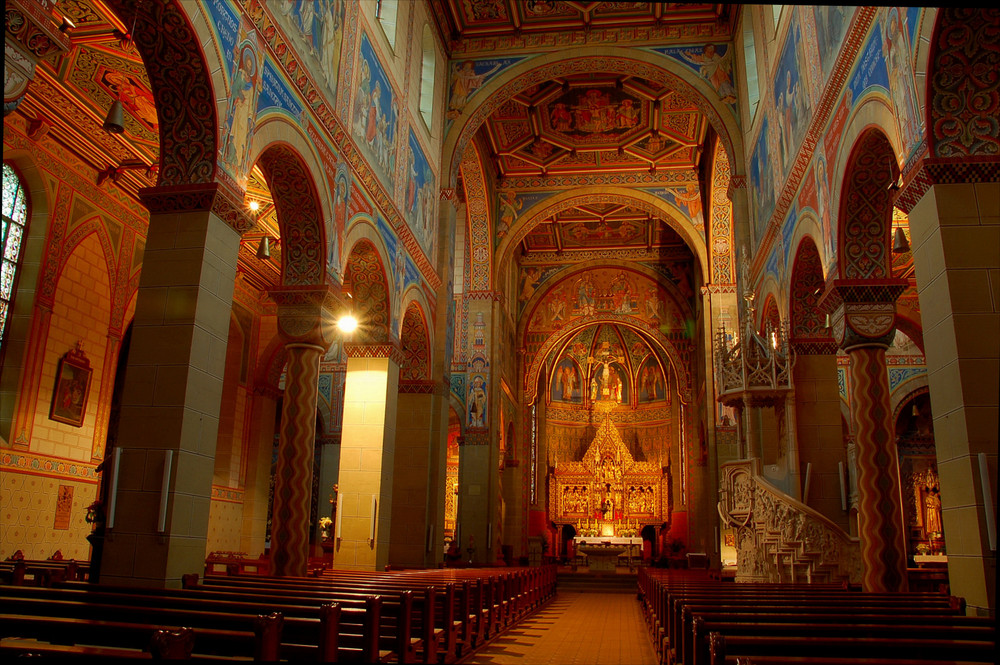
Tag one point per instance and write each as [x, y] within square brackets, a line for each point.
[260, 642]
[726, 648]
[697, 650]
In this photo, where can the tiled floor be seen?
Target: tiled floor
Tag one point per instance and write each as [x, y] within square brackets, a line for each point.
[576, 629]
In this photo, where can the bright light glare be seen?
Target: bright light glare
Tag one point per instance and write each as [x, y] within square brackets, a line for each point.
[254, 206]
[347, 323]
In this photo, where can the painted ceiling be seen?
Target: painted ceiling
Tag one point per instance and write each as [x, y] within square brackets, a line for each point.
[607, 225]
[71, 95]
[464, 19]
[583, 123]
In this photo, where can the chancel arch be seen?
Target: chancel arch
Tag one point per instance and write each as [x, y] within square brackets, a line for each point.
[608, 198]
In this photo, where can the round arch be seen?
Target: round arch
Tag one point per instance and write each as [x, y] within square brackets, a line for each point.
[806, 319]
[366, 276]
[644, 201]
[300, 213]
[182, 85]
[864, 221]
[415, 340]
[645, 64]
[653, 336]
[572, 271]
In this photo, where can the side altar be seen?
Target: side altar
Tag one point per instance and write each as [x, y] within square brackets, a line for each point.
[608, 494]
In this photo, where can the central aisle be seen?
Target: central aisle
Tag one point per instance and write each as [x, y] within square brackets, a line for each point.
[576, 629]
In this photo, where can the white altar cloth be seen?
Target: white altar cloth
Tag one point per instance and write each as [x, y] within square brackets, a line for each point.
[598, 540]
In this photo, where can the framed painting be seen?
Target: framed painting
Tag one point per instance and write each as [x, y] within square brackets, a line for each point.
[69, 396]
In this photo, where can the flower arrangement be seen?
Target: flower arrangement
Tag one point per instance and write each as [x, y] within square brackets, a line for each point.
[325, 522]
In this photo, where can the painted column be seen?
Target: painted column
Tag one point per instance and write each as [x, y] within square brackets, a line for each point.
[173, 388]
[864, 324]
[367, 452]
[305, 321]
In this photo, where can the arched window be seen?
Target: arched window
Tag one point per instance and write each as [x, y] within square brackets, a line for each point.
[427, 77]
[15, 219]
[750, 60]
[385, 12]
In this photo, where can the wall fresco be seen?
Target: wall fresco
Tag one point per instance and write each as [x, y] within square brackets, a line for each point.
[376, 112]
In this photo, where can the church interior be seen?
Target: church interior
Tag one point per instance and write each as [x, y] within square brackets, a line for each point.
[653, 285]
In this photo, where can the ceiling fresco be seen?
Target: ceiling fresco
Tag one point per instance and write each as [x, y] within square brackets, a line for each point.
[586, 123]
[600, 225]
[71, 96]
[480, 18]
[603, 291]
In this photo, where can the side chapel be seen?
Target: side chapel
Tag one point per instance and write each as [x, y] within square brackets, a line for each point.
[718, 280]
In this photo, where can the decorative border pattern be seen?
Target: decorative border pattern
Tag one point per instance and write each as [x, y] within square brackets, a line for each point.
[720, 244]
[227, 494]
[480, 223]
[51, 467]
[866, 209]
[390, 351]
[964, 106]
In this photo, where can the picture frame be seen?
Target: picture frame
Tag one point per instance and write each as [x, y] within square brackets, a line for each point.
[72, 388]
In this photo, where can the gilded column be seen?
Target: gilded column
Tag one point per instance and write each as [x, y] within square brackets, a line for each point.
[864, 323]
[305, 322]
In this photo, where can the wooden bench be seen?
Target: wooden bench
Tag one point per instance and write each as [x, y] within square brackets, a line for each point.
[258, 643]
[724, 649]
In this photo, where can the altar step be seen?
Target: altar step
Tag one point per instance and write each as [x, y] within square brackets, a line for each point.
[583, 582]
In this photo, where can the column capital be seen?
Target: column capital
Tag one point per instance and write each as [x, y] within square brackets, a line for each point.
[306, 313]
[209, 196]
[863, 312]
[383, 350]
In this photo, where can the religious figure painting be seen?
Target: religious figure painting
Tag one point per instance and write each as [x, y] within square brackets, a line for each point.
[596, 114]
[650, 382]
[477, 402]
[832, 22]
[791, 98]
[376, 111]
[420, 196]
[240, 116]
[715, 65]
[316, 28]
[72, 388]
[896, 50]
[566, 384]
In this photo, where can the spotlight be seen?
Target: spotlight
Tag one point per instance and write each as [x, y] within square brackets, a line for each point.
[347, 323]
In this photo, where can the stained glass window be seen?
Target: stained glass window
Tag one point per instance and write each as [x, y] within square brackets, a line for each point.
[15, 218]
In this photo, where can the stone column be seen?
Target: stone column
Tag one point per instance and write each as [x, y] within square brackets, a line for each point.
[306, 323]
[412, 469]
[173, 388]
[955, 236]
[817, 410]
[367, 452]
[864, 324]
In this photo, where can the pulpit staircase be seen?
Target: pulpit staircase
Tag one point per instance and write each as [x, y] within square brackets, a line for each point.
[780, 539]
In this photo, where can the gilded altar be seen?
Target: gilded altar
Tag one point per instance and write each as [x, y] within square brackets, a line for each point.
[609, 493]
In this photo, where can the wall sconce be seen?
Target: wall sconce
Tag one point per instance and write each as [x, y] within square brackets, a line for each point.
[900, 244]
